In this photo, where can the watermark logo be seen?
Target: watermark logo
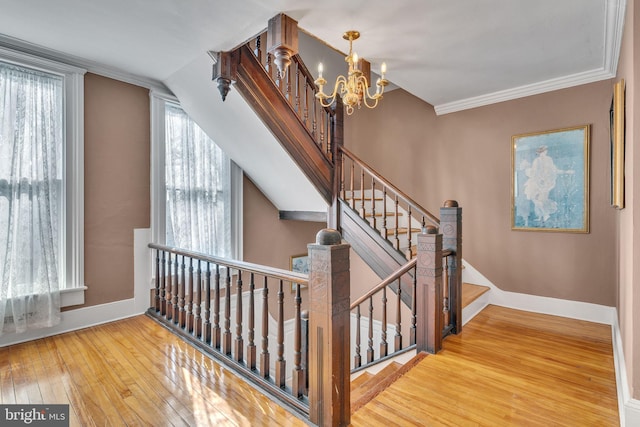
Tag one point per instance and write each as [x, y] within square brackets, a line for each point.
[34, 415]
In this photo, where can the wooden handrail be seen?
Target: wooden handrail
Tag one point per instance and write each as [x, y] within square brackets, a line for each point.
[386, 282]
[277, 273]
[389, 185]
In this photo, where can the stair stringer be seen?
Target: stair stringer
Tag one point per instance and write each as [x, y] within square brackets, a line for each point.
[260, 92]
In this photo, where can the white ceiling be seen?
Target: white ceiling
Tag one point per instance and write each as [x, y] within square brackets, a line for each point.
[452, 54]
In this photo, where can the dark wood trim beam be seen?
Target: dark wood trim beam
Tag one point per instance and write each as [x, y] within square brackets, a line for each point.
[273, 109]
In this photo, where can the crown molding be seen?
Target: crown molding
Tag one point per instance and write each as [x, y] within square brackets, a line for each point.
[613, 29]
[35, 50]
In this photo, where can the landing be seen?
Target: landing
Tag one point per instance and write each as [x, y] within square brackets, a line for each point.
[508, 367]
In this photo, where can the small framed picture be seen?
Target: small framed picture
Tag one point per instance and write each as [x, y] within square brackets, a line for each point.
[299, 264]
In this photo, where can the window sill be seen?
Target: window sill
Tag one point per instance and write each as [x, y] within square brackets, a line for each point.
[74, 296]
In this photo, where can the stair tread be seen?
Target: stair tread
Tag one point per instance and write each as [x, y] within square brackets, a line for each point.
[404, 230]
[365, 376]
[471, 292]
[380, 381]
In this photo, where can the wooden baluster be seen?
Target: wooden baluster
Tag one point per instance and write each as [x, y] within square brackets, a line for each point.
[412, 334]
[352, 184]
[207, 305]
[288, 87]
[305, 115]
[268, 66]
[226, 334]
[168, 288]
[384, 347]
[215, 330]
[330, 136]
[445, 293]
[305, 349]
[156, 299]
[409, 254]
[397, 345]
[174, 291]
[181, 318]
[297, 104]
[189, 298]
[264, 356]
[314, 127]
[257, 52]
[163, 286]
[373, 203]
[370, 343]
[357, 360]
[197, 320]
[385, 231]
[363, 213]
[343, 191]
[298, 374]
[322, 129]
[396, 223]
[251, 347]
[239, 343]
[281, 364]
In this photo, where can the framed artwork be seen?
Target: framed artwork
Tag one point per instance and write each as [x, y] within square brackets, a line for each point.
[299, 264]
[550, 180]
[616, 132]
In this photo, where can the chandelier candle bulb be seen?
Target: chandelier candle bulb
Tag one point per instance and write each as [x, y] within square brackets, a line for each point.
[354, 88]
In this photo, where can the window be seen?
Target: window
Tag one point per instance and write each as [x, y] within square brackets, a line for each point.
[197, 205]
[41, 186]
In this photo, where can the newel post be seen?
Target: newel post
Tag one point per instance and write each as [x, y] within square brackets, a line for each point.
[451, 229]
[429, 291]
[329, 373]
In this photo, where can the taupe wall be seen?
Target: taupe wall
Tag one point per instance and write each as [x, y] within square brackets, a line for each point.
[466, 156]
[629, 235]
[268, 240]
[117, 141]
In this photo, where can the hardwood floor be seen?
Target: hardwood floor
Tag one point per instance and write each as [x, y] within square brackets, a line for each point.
[507, 368]
[133, 372]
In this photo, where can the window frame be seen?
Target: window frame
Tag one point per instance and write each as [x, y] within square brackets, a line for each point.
[72, 287]
[158, 188]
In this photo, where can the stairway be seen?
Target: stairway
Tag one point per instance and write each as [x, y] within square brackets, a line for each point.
[367, 386]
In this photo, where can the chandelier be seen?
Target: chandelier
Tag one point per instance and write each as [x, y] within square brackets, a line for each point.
[353, 89]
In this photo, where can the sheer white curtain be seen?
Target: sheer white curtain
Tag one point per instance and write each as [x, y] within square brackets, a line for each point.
[31, 195]
[198, 190]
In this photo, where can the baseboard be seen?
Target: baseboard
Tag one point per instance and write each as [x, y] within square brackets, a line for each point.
[545, 305]
[629, 408]
[77, 319]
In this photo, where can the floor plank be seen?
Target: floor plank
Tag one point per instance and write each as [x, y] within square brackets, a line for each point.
[507, 368]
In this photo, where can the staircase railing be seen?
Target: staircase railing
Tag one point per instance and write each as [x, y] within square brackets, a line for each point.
[371, 312]
[211, 302]
[391, 212]
[299, 89]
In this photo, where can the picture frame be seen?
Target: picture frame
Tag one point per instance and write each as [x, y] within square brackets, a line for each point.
[299, 264]
[617, 134]
[550, 180]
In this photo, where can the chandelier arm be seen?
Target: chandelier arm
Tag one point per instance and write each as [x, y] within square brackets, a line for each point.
[366, 96]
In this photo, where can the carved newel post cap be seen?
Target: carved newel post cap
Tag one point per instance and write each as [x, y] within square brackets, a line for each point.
[328, 237]
[450, 204]
[430, 229]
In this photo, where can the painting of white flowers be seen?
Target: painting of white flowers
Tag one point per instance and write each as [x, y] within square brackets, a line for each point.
[550, 181]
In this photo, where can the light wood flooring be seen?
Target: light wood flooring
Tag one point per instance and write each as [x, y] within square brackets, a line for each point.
[507, 368]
